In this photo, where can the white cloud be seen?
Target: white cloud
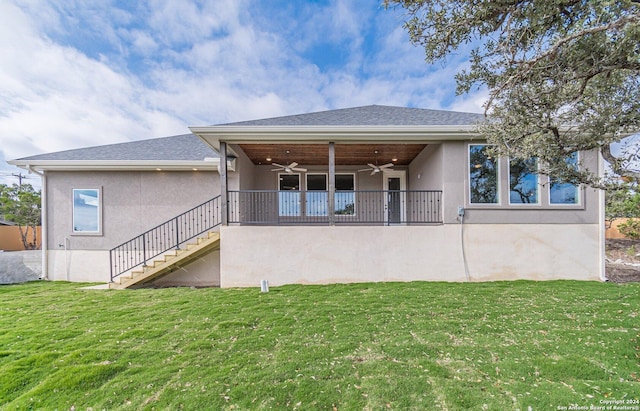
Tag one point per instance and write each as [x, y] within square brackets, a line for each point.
[57, 98]
[472, 102]
[79, 74]
[142, 42]
[179, 23]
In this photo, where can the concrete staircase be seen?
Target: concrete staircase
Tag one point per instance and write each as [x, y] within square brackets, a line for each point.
[168, 262]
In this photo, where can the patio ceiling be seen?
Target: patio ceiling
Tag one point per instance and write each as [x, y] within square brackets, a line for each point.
[318, 154]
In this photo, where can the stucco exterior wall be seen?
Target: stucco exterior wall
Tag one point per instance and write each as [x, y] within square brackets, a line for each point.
[244, 176]
[501, 242]
[323, 255]
[132, 202]
[204, 272]
[78, 265]
[93, 266]
[425, 171]
[445, 167]
[456, 186]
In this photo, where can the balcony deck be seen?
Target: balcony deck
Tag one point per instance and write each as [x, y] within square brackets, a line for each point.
[359, 207]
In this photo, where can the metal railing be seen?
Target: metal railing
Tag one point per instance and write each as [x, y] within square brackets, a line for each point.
[164, 237]
[373, 207]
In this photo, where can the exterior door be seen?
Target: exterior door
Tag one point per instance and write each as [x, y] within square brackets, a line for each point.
[288, 195]
[395, 186]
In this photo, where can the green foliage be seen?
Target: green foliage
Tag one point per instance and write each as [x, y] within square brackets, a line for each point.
[21, 205]
[630, 229]
[622, 204]
[563, 76]
[495, 346]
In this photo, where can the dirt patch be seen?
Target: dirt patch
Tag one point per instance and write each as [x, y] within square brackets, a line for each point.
[623, 260]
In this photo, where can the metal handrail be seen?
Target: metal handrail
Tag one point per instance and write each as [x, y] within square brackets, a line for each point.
[164, 237]
[368, 207]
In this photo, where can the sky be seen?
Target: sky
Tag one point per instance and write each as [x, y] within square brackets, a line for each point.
[76, 73]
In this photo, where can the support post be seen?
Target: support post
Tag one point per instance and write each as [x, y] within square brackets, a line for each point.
[224, 189]
[332, 184]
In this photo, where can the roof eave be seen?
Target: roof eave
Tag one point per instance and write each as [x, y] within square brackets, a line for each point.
[213, 135]
[117, 165]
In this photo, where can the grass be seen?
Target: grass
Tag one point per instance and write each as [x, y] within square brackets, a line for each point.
[494, 346]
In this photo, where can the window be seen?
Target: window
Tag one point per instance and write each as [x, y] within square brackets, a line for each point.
[289, 195]
[86, 211]
[345, 195]
[483, 176]
[561, 192]
[523, 181]
[316, 195]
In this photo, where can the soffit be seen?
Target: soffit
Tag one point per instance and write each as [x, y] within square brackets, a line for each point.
[114, 165]
[345, 154]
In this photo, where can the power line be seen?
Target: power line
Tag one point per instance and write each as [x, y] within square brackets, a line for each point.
[20, 176]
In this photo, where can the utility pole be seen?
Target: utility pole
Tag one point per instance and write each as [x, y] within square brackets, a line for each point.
[20, 176]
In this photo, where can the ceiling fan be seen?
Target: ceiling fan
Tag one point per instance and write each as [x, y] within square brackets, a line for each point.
[287, 169]
[375, 168]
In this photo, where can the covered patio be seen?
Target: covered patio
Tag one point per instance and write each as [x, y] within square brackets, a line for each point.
[328, 184]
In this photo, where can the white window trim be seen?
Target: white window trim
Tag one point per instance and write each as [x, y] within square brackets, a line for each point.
[355, 198]
[307, 191]
[98, 232]
[306, 180]
[299, 191]
[579, 191]
[288, 174]
[346, 173]
[538, 202]
[468, 179]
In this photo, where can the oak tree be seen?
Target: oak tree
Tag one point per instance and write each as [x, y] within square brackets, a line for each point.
[562, 75]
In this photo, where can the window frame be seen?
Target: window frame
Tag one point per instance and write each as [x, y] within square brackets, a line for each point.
[99, 230]
[578, 188]
[307, 194]
[497, 162]
[537, 184]
[353, 176]
[287, 212]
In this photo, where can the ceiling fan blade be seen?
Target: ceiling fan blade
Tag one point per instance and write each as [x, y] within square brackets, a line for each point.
[387, 165]
[292, 165]
[298, 169]
[277, 169]
[372, 166]
[364, 169]
[278, 165]
[373, 172]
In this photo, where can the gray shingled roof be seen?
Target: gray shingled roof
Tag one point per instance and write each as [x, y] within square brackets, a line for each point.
[373, 115]
[186, 147]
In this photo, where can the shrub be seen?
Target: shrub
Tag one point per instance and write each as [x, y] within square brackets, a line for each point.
[630, 228]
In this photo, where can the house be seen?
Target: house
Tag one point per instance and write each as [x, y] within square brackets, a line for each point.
[374, 193]
[4, 222]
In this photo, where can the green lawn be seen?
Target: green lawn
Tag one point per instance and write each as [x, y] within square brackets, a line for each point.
[495, 346]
